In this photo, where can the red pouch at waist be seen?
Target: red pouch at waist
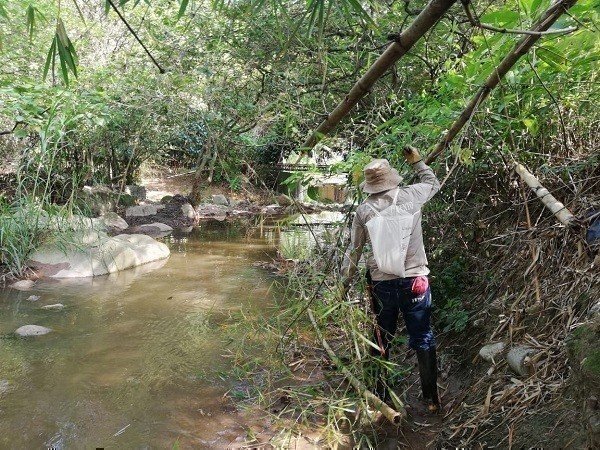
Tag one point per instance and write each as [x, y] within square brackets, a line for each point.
[420, 285]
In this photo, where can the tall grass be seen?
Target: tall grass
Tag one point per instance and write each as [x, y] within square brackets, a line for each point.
[30, 216]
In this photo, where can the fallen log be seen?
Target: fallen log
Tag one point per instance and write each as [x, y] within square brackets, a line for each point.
[372, 400]
[426, 19]
[521, 48]
[561, 212]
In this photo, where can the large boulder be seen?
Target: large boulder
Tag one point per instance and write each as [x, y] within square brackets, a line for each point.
[96, 254]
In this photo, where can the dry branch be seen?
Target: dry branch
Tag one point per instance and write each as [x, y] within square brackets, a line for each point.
[372, 400]
[520, 49]
[561, 212]
[426, 19]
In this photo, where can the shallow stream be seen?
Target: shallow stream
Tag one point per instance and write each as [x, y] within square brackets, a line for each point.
[135, 359]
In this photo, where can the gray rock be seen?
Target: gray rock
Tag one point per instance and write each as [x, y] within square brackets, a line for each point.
[142, 210]
[114, 221]
[33, 298]
[100, 199]
[188, 211]
[284, 200]
[220, 199]
[519, 361]
[32, 330]
[161, 227]
[156, 229]
[490, 351]
[98, 255]
[22, 285]
[139, 192]
[4, 386]
[595, 309]
[54, 307]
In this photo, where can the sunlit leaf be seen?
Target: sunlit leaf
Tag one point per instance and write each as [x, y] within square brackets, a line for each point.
[500, 18]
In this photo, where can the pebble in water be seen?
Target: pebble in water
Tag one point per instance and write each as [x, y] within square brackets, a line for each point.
[32, 330]
[54, 307]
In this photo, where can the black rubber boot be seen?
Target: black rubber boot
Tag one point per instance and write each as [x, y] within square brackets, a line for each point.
[428, 372]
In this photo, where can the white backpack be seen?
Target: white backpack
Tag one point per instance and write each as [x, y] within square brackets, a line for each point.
[390, 231]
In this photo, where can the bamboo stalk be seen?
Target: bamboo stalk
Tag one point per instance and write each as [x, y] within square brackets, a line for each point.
[561, 212]
[372, 400]
[426, 19]
[520, 49]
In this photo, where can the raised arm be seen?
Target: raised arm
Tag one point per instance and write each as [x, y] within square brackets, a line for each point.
[428, 184]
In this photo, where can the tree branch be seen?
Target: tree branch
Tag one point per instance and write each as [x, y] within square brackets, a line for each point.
[160, 69]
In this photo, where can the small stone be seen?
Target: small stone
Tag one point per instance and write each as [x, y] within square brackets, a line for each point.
[595, 309]
[139, 192]
[519, 361]
[284, 200]
[54, 307]
[220, 199]
[23, 285]
[33, 298]
[490, 351]
[188, 211]
[162, 227]
[4, 386]
[32, 330]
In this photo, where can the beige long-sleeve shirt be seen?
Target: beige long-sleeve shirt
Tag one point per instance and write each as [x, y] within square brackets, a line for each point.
[412, 198]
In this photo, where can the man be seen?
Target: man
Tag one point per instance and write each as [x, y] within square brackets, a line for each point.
[392, 294]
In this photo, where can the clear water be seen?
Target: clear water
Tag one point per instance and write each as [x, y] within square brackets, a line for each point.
[133, 358]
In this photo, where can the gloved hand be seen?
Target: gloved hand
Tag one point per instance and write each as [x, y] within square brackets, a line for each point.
[412, 155]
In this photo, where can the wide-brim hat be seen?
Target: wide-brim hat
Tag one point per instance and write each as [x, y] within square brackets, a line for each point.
[380, 177]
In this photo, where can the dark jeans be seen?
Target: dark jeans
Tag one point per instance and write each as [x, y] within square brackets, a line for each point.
[395, 296]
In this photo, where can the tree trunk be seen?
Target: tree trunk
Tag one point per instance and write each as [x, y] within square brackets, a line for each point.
[521, 48]
[428, 17]
[561, 212]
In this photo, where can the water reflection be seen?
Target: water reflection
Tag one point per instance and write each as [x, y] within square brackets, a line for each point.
[136, 351]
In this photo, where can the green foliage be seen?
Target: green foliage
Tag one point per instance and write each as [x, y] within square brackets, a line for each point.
[448, 287]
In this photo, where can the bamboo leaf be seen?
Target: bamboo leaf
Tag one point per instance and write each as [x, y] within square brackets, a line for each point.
[3, 12]
[79, 12]
[182, 8]
[500, 18]
[62, 56]
[61, 32]
[50, 57]
[368, 341]
[30, 19]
